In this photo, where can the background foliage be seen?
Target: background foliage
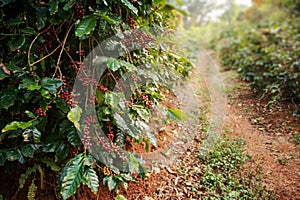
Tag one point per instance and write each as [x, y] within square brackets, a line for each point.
[265, 49]
[261, 42]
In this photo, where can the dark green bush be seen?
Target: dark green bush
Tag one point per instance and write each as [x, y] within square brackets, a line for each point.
[42, 48]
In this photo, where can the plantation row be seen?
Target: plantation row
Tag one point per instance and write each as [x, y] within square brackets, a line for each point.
[265, 50]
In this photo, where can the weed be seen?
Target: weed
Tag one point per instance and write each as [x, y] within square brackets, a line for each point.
[283, 160]
[297, 139]
[223, 176]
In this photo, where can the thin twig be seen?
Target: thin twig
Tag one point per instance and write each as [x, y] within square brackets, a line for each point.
[138, 196]
[61, 51]
[79, 50]
[51, 184]
[14, 34]
[112, 75]
[43, 58]
[30, 47]
[68, 54]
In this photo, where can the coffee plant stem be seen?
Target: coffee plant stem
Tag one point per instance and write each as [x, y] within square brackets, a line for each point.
[62, 50]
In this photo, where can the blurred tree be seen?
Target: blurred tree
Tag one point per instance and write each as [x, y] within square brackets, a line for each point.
[198, 10]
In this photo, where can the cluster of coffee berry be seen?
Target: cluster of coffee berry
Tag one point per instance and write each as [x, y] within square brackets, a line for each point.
[90, 120]
[63, 79]
[131, 21]
[86, 139]
[76, 65]
[81, 52]
[41, 112]
[92, 3]
[49, 37]
[67, 97]
[145, 98]
[102, 88]
[138, 39]
[109, 147]
[120, 87]
[85, 76]
[79, 12]
[134, 79]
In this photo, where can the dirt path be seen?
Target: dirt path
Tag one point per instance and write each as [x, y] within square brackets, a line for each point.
[268, 135]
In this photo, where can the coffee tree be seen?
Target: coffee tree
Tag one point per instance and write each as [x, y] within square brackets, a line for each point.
[43, 48]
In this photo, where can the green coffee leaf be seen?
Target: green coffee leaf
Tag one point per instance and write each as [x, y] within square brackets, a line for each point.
[28, 30]
[129, 5]
[143, 113]
[91, 179]
[51, 84]
[73, 137]
[53, 7]
[16, 42]
[73, 176]
[14, 134]
[177, 115]
[51, 147]
[110, 182]
[100, 96]
[30, 114]
[34, 133]
[3, 75]
[62, 105]
[111, 19]
[152, 138]
[133, 163]
[28, 150]
[12, 155]
[115, 64]
[41, 17]
[12, 66]
[86, 26]
[29, 84]
[14, 21]
[68, 5]
[20, 157]
[112, 99]
[74, 116]
[62, 152]
[16, 125]
[7, 98]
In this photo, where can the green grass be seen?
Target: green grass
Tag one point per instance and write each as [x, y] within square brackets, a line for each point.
[223, 175]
